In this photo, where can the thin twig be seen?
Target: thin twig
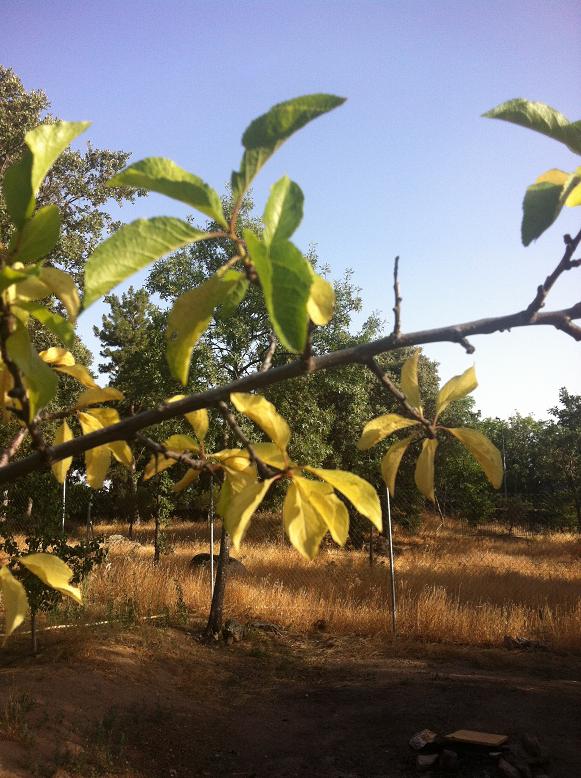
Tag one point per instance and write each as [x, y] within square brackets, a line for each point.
[398, 300]
[267, 362]
[567, 263]
[180, 456]
[262, 468]
[400, 396]
[307, 355]
[13, 446]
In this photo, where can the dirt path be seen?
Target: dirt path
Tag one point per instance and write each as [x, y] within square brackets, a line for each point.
[155, 702]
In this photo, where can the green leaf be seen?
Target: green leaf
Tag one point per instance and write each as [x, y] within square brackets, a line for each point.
[157, 174]
[303, 524]
[357, 490]
[40, 381]
[424, 475]
[263, 413]
[267, 133]
[53, 572]
[61, 468]
[379, 428]
[189, 318]
[52, 321]
[391, 461]
[484, 451]
[14, 599]
[63, 286]
[541, 118]
[284, 210]
[23, 179]
[543, 202]
[409, 380]
[241, 509]
[133, 247]
[234, 296]
[39, 235]
[455, 389]
[10, 276]
[286, 282]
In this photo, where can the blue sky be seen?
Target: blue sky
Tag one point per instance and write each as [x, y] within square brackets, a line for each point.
[406, 166]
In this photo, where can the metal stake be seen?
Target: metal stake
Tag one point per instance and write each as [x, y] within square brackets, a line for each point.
[391, 565]
[64, 503]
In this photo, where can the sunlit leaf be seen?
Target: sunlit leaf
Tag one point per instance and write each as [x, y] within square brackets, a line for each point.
[188, 478]
[53, 322]
[133, 247]
[541, 118]
[57, 356]
[119, 448]
[409, 380]
[238, 514]
[266, 133]
[391, 461]
[284, 210]
[321, 302]
[303, 524]
[97, 460]
[39, 235]
[10, 276]
[63, 286]
[40, 381]
[235, 458]
[53, 572]
[176, 443]
[573, 196]
[285, 278]
[14, 600]
[263, 413]
[378, 429]
[271, 454]
[80, 373]
[233, 294]
[189, 318]
[30, 289]
[61, 468]
[455, 389]
[157, 174]
[96, 395]
[484, 451]
[22, 181]
[325, 502]
[424, 475]
[357, 490]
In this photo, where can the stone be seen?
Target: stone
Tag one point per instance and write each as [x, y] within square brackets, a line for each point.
[449, 760]
[233, 631]
[421, 739]
[424, 761]
[235, 566]
[507, 770]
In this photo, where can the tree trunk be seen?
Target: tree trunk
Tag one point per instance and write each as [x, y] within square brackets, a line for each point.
[134, 517]
[214, 626]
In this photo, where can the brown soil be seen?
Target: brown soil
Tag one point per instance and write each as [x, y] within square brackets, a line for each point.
[154, 701]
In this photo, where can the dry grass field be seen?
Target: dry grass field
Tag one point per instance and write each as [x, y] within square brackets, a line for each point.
[452, 586]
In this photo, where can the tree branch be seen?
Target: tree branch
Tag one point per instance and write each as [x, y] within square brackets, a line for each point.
[400, 397]
[185, 459]
[361, 354]
[267, 362]
[397, 307]
[13, 446]
[567, 263]
[262, 468]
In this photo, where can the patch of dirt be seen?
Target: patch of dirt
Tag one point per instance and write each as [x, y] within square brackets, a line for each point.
[154, 701]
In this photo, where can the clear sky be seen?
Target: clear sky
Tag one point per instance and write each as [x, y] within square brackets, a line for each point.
[406, 166]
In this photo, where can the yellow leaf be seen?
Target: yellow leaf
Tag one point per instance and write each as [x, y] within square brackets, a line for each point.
[61, 468]
[456, 388]
[424, 475]
[263, 413]
[53, 572]
[325, 502]
[107, 416]
[574, 197]
[97, 460]
[57, 356]
[157, 464]
[31, 289]
[271, 455]
[391, 461]
[409, 380]
[553, 176]
[198, 419]
[183, 483]
[485, 453]
[119, 448]
[321, 302]
[96, 395]
[62, 285]
[160, 462]
[303, 524]
[240, 510]
[357, 490]
[14, 599]
[39, 380]
[234, 458]
[379, 428]
[79, 372]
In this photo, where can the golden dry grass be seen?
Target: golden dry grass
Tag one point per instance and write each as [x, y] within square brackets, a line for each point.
[452, 587]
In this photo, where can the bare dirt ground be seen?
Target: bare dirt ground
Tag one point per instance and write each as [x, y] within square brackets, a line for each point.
[154, 701]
